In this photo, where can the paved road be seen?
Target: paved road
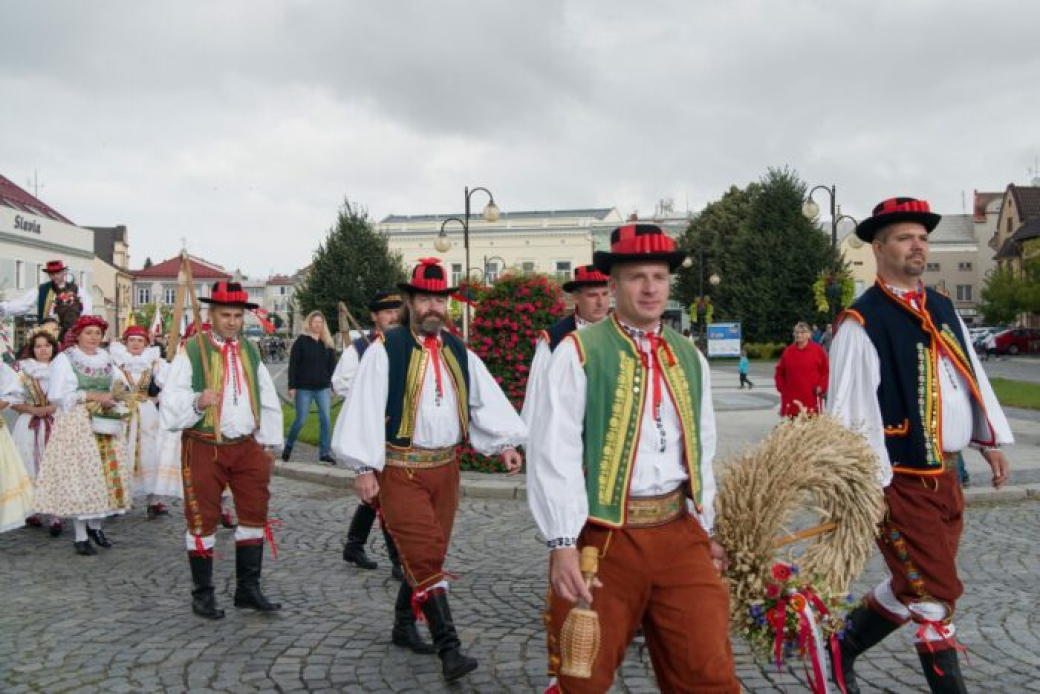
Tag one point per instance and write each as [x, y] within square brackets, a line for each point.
[120, 622]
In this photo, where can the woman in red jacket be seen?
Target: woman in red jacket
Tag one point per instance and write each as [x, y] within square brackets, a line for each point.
[801, 375]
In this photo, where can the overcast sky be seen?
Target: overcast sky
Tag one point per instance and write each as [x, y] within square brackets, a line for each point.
[242, 125]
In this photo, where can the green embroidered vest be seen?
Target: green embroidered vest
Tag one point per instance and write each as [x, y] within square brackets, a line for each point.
[215, 358]
[617, 385]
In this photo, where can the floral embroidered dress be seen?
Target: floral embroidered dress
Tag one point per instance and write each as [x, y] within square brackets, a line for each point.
[16, 488]
[30, 432]
[155, 470]
[84, 475]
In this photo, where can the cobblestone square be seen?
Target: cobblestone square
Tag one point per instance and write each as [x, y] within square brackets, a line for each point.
[120, 621]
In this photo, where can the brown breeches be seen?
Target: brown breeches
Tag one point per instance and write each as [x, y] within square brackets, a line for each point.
[920, 536]
[418, 508]
[208, 469]
[661, 578]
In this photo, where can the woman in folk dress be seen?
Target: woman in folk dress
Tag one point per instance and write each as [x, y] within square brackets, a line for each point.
[16, 488]
[36, 413]
[154, 475]
[85, 474]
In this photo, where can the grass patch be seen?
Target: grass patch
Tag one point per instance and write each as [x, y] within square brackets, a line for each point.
[1017, 393]
[311, 431]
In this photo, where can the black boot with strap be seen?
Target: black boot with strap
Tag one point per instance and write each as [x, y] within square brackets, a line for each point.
[405, 633]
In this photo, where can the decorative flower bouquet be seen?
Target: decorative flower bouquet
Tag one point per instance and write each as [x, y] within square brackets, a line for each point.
[796, 618]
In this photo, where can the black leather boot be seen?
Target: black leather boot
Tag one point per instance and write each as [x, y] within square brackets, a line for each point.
[866, 628]
[248, 563]
[286, 454]
[405, 634]
[99, 537]
[357, 537]
[203, 599]
[454, 664]
[951, 681]
[396, 571]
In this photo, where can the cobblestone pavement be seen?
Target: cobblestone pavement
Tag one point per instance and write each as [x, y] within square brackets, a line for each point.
[120, 621]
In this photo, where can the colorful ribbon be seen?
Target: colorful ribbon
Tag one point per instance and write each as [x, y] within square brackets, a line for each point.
[269, 526]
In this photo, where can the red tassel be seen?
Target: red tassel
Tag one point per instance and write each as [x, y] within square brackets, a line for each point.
[269, 534]
[944, 637]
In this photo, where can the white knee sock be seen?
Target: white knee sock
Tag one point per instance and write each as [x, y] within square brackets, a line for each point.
[81, 530]
[95, 523]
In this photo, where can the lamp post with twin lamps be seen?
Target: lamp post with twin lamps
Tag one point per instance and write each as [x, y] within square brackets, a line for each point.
[811, 211]
[713, 280]
[443, 244]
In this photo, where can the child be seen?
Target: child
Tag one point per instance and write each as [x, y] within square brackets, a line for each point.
[743, 368]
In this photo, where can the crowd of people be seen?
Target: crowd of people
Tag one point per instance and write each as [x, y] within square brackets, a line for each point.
[617, 426]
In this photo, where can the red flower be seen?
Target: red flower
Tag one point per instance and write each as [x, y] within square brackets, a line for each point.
[781, 572]
[772, 591]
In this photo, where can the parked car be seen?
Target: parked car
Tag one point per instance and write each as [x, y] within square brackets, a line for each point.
[1018, 341]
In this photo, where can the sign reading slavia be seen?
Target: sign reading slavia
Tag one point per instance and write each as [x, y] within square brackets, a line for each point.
[24, 224]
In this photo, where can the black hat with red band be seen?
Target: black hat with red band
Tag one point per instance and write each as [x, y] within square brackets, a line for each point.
[639, 243]
[53, 266]
[228, 294]
[585, 276]
[896, 210]
[428, 277]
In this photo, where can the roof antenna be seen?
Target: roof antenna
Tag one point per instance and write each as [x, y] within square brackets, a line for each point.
[35, 184]
[1034, 172]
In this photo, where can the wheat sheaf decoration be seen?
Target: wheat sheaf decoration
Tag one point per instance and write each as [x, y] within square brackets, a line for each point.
[807, 466]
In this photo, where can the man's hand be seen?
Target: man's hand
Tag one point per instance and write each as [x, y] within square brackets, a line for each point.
[208, 398]
[48, 409]
[512, 459]
[999, 463]
[366, 487]
[292, 393]
[719, 557]
[565, 575]
[103, 399]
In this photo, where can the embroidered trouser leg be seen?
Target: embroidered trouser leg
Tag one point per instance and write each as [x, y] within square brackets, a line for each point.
[919, 540]
[419, 511]
[208, 468]
[661, 578]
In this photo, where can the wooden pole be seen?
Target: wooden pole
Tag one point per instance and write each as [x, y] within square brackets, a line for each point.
[197, 315]
[804, 534]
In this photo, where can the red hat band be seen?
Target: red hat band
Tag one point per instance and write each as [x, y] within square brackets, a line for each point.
[54, 266]
[641, 238]
[589, 273]
[429, 275]
[893, 205]
[222, 295]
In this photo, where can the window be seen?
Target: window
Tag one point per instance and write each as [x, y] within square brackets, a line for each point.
[82, 279]
[964, 292]
[170, 296]
[144, 296]
[456, 274]
[933, 267]
[282, 290]
[527, 266]
[19, 272]
[964, 267]
[563, 269]
[491, 272]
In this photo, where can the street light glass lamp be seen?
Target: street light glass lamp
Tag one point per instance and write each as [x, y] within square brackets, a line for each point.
[687, 262]
[810, 209]
[714, 279]
[491, 212]
[442, 243]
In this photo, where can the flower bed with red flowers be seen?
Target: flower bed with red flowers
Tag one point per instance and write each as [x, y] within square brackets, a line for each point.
[506, 323]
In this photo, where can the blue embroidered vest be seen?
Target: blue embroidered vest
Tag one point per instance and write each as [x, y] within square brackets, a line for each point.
[555, 333]
[908, 346]
[408, 363]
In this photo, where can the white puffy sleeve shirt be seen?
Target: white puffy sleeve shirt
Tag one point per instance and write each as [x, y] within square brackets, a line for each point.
[346, 369]
[177, 405]
[493, 426]
[852, 396]
[555, 459]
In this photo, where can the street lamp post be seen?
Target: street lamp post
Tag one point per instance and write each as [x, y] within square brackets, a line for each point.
[443, 244]
[500, 266]
[811, 210]
[713, 280]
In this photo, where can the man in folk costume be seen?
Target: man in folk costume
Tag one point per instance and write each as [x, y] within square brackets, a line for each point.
[221, 395]
[418, 394]
[623, 438]
[591, 304]
[56, 297]
[903, 373]
[385, 313]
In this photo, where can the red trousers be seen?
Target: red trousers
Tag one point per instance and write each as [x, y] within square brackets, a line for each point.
[920, 536]
[661, 578]
[208, 468]
[418, 509]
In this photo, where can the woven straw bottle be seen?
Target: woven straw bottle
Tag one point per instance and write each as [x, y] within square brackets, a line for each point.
[580, 637]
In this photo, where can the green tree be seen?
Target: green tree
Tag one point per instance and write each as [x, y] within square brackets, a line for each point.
[1006, 295]
[780, 255]
[715, 231]
[148, 263]
[351, 265]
